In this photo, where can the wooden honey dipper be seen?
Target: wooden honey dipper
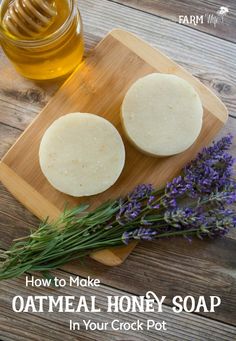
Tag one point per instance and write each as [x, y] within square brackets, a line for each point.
[28, 18]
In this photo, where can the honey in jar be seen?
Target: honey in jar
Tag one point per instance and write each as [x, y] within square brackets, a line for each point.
[52, 53]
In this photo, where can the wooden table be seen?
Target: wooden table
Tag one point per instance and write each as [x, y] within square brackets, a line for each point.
[168, 267]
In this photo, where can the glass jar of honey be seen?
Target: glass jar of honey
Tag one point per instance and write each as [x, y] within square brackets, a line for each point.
[54, 53]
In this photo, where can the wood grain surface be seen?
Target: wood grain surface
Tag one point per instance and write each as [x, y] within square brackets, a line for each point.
[99, 86]
[212, 23]
[167, 267]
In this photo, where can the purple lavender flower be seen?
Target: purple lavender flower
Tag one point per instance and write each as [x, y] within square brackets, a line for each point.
[184, 219]
[128, 211]
[209, 223]
[131, 208]
[139, 234]
[226, 196]
[145, 222]
[151, 204]
[141, 192]
[206, 187]
[212, 170]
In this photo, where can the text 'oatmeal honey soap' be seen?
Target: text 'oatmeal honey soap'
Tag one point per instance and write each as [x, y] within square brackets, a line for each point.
[162, 114]
[81, 154]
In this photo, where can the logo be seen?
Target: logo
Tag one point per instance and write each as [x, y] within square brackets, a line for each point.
[222, 11]
[206, 18]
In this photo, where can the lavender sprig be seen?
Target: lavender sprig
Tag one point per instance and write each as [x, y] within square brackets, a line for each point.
[198, 203]
[139, 234]
[211, 171]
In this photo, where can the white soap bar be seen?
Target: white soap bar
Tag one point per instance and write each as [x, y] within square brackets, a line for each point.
[81, 154]
[162, 114]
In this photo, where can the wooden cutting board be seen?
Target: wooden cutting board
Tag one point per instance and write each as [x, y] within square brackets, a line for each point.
[98, 86]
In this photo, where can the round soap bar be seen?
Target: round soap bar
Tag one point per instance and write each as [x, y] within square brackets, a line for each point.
[81, 154]
[162, 114]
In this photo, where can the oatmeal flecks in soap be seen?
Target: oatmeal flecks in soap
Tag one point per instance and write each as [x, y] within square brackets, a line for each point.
[162, 114]
[81, 154]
